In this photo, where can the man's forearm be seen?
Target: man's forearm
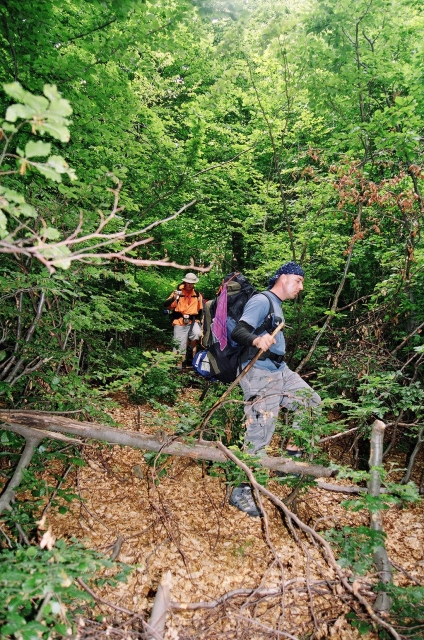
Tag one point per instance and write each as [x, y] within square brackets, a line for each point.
[243, 334]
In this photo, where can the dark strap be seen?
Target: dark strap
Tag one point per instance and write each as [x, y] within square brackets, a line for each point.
[262, 327]
[178, 314]
[275, 357]
[267, 355]
[250, 352]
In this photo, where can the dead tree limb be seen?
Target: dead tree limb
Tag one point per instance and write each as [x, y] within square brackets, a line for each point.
[420, 439]
[257, 593]
[31, 443]
[203, 450]
[405, 340]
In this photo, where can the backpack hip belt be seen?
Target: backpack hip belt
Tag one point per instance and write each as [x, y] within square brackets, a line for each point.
[250, 352]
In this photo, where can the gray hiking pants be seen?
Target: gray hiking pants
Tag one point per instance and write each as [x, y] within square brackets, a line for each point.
[266, 392]
[182, 333]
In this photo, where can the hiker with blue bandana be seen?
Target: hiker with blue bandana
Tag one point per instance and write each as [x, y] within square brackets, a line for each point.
[269, 385]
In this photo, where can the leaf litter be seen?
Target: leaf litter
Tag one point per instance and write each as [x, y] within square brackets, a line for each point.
[176, 517]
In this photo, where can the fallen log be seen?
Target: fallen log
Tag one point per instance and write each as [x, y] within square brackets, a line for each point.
[168, 444]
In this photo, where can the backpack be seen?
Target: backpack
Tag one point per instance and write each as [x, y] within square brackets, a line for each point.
[212, 362]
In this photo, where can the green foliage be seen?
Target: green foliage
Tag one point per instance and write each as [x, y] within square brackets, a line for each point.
[234, 475]
[226, 423]
[401, 494]
[311, 426]
[407, 609]
[155, 377]
[50, 453]
[45, 114]
[395, 493]
[363, 626]
[298, 130]
[158, 461]
[39, 589]
[355, 546]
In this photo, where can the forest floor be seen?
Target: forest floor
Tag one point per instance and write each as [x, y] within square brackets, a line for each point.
[183, 523]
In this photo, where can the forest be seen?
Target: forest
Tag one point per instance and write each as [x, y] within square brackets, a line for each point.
[144, 139]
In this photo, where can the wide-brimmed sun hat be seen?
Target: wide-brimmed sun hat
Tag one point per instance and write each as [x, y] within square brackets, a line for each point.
[191, 278]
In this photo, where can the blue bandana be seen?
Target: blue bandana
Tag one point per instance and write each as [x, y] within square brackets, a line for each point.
[289, 267]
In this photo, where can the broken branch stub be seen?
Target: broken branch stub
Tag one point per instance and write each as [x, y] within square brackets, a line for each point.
[383, 602]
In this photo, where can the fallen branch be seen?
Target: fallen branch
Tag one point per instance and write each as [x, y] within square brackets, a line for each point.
[338, 435]
[238, 593]
[339, 488]
[203, 450]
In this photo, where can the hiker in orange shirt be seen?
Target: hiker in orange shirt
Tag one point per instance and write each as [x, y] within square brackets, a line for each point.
[186, 307]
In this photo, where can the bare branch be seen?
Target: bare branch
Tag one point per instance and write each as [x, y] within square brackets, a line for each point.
[32, 442]
[51, 254]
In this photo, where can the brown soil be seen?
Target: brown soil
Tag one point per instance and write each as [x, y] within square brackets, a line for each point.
[177, 518]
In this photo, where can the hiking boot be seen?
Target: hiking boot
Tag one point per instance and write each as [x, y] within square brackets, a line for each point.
[242, 499]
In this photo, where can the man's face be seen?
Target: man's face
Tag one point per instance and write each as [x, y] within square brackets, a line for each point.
[291, 286]
[189, 286]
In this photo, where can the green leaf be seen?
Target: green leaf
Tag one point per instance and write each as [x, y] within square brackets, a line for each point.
[12, 195]
[16, 111]
[3, 224]
[10, 128]
[15, 91]
[58, 105]
[58, 254]
[38, 104]
[58, 131]
[26, 210]
[48, 172]
[60, 165]
[37, 148]
[55, 607]
[51, 233]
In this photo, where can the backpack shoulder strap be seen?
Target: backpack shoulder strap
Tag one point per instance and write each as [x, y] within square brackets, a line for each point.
[264, 324]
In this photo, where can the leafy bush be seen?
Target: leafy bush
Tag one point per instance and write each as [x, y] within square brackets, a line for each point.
[355, 546]
[407, 609]
[154, 377]
[39, 590]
